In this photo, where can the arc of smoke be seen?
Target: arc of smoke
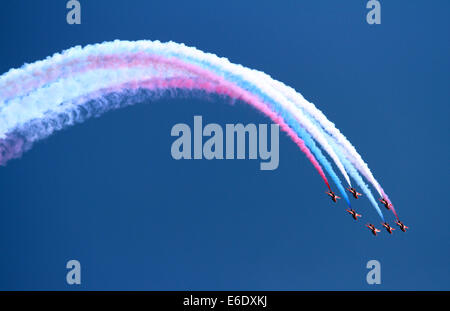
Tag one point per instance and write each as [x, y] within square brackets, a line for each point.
[221, 88]
[70, 57]
[199, 57]
[191, 54]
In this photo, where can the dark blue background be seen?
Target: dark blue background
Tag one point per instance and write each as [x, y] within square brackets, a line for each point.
[108, 193]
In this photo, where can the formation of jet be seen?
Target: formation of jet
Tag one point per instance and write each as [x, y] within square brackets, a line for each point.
[373, 229]
[353, 191]
[333, 196]
[355, 215]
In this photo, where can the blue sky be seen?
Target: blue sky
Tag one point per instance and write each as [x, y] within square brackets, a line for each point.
[108, 193]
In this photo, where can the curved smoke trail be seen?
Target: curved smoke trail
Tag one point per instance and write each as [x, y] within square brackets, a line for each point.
[49, 69]
[235, 73]
[57, 77]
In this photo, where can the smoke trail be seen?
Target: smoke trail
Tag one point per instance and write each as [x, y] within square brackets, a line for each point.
[189, 55]
[232, 72]
[61, 66]
[198, 57]
[349, 150]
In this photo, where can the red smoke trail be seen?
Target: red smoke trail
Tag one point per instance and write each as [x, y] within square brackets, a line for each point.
[389, 201]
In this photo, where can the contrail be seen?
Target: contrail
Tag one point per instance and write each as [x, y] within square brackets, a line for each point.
[339, 151]
[240, 75]
[54, 87]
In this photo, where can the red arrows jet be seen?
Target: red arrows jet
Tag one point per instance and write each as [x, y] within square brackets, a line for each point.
[373, 229]
[333, 196]
[402, 226]
[354, 214]
[353, 191]
[386, 203]
[388, 228]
